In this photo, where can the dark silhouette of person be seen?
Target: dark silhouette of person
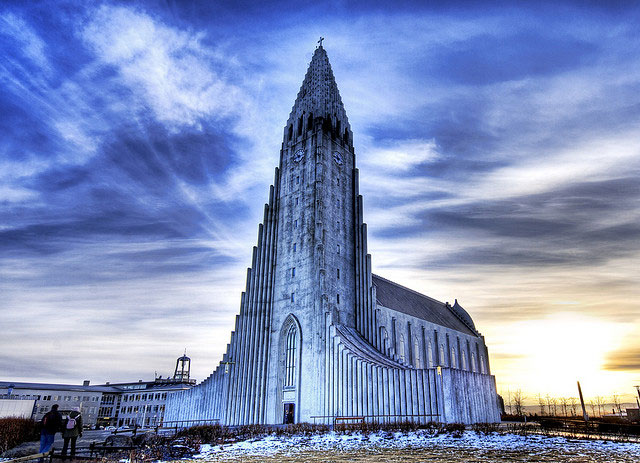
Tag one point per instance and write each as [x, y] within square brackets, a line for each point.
[51, 424]
[72, 429]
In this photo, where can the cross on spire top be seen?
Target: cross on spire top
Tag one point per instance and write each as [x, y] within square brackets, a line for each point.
[320, 41]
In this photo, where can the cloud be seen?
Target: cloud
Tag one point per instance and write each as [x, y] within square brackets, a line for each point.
[170, 68]
[16, 29]
[400, 155]
[626, 358]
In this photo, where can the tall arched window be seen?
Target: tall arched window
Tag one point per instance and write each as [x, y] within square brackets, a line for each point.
[441, 360]
[290, 359]
[402, 349]
[474, 367]
[429, 355]
[464, 360]
[300, 123]
[416, 353]
[454, 363]
[482, 367]
[384, 336]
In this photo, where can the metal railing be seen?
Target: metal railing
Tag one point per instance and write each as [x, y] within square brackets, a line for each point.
[376, 419]
[182, 424]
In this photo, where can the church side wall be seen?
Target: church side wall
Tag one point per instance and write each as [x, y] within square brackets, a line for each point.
[436, 345]
[469, 397]
[203, 402]
[361, 388]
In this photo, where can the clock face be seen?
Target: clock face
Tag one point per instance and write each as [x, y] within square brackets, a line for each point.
[338, 158]
[298, 155]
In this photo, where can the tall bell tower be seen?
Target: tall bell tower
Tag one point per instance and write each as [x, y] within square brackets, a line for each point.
[315, 245]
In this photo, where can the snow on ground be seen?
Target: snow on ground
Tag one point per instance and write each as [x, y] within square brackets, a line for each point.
[471, 441]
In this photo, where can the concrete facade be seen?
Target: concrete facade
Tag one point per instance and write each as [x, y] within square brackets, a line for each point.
[318, 335]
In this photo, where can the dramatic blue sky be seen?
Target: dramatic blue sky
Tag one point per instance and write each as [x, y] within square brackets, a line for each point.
[499, 155]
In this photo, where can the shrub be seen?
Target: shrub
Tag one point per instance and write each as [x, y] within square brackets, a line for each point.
[208, 434]
[455, 429]
[485, 428]
[548, 423]
[14, 431]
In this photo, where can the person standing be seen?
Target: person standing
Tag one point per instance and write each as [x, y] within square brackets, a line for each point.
[51, 424]
[72, 429]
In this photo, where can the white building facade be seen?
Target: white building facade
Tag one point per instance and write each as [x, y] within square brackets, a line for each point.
[318, 336]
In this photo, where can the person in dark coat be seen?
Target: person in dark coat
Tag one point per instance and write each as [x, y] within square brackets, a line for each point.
[51, 424]
[71, 430]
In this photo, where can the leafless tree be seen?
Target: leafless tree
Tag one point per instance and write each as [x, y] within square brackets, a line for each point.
[565, 403]
[600, 404]
[547, 399]
[541, 404]
[509, 401]
[554, 402]
[616, 403]
[574, 405]
[518, 398]
[593, 406]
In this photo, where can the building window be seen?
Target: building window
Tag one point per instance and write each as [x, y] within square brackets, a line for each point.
[338, 249]
[292, 297]
[464, 361]
[338, 181]
[454, 363]
[441, 359]
[296, 201]
[295, 246]
[293, 272]
[295, 223]
[297, 180]
[429, 355]
[474, 368]
[337, 202]
[338, 298]
[338, 273]
[338, 225]
[290, 360]
[416, 354]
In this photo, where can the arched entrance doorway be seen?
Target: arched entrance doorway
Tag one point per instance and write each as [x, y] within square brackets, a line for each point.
[290, 355]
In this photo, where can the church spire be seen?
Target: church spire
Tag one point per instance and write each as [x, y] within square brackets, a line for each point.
[319, 101]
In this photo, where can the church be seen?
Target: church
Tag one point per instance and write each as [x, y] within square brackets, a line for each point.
[319, 338]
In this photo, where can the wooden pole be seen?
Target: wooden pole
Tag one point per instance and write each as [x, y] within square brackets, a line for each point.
[584, 410]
